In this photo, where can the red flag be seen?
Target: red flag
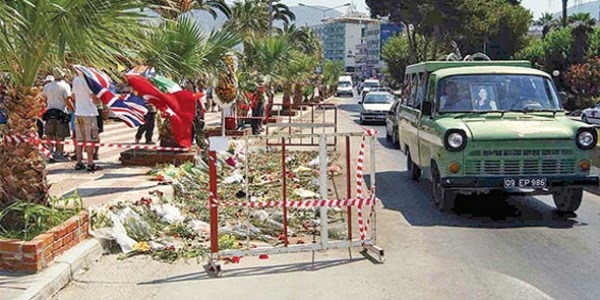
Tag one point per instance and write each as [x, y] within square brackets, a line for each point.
[180, 106]
[163, 101]
[182, 123]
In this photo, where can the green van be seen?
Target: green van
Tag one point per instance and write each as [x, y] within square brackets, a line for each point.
[475, 127]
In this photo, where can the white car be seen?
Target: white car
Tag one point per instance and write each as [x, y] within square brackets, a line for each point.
[591, 115]
[368, 85]
[375, 107]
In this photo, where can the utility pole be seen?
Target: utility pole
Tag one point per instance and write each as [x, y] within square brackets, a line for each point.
[270, 17]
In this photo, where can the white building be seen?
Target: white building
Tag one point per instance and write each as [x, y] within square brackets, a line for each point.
[341, 36]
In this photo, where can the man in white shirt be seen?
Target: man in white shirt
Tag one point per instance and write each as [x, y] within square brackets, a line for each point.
[86, 123]
[58, 100]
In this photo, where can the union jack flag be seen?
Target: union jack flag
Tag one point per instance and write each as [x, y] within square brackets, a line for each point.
[129, 108]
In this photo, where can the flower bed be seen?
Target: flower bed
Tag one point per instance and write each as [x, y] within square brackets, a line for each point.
[36, 254]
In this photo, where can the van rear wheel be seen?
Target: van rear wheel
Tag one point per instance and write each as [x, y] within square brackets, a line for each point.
[443, 198]
[413, 170]
[568, 200]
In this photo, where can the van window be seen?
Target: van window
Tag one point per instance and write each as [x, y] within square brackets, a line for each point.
[421, 88]
[413, 90]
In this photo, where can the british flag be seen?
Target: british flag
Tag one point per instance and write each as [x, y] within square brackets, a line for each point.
[129, 108]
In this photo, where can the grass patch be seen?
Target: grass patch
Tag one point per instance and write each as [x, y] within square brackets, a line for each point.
[24, 221]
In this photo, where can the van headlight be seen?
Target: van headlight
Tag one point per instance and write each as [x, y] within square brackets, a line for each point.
[455, 140]
[586, 138]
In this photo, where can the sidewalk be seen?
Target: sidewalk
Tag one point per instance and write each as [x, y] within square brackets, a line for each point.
[112, 184]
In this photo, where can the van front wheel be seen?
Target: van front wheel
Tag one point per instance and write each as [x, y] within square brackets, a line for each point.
[568, 200]
[443, 198]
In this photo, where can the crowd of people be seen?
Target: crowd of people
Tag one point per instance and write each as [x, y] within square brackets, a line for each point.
[73, 111]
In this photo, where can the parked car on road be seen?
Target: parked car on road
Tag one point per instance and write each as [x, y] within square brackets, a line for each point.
[375, 107]
[368, 85]
[591, 115]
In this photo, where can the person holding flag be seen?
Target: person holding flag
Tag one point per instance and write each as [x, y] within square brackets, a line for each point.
[86, 122]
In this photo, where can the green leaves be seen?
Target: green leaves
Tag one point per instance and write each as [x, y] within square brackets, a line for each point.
[181, 49]
[48, 33]
[24, 221]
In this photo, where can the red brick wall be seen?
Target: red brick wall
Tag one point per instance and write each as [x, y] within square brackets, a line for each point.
[34, 255]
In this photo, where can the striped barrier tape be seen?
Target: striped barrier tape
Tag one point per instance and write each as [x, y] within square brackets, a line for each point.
[33, 138]
[40, 142]
[363, 225]
[300, 204]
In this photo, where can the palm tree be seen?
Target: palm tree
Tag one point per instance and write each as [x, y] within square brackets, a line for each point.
[38, 35]
[547, 22]
[171, 9]
[182, 51]
[583, 24]
[308, 50]
[250, 18]
[281, 12]
[582, 19]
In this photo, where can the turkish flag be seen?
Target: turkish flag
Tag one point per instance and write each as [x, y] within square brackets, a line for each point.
[180, 106]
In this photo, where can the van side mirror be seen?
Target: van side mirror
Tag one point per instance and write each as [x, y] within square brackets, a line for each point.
[563, 97]
[359, 102]
[426, 109]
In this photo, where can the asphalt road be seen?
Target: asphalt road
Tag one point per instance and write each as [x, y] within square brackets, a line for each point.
[521, 239]
[487, 249]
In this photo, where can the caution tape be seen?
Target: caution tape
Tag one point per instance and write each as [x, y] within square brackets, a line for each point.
[121, 146]
[299, 204]
[13, 139]
[33, 139]
[363, 226]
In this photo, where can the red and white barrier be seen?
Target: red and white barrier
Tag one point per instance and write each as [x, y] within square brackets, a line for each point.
[13, 139]
[33, 138]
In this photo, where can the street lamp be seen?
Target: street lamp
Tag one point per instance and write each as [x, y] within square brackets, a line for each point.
[326, 9]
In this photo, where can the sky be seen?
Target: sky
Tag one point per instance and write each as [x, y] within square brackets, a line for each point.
[536, 6]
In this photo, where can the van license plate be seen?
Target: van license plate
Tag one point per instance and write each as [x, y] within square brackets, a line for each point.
[525, 182]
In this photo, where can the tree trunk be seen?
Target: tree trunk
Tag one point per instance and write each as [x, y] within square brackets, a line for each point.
[298, 95]
[165, 134]
[564, 13]
[287, 96]
[23, 169]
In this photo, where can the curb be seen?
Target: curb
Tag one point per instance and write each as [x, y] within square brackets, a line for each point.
[63, 269]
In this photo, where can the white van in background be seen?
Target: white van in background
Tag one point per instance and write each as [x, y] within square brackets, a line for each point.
[344, 86]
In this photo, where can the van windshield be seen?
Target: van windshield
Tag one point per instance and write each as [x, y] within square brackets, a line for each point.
[497, 92]
[344, 84]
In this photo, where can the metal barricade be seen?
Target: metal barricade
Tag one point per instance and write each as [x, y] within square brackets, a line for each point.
[312, 118]
[363, 199]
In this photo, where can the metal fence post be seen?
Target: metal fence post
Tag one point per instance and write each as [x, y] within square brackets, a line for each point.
[323, 189]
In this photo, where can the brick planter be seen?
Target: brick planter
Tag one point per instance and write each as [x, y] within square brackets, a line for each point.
[150, 158]
[32, 256]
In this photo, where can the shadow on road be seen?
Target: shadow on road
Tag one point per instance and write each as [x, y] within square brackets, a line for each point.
[257, 271]
[385, 143]
[413, 199]
[353, 108]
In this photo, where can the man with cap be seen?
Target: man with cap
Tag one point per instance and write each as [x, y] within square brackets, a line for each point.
[57, 94]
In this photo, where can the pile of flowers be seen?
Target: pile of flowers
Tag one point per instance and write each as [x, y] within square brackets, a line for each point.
[171, 228]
